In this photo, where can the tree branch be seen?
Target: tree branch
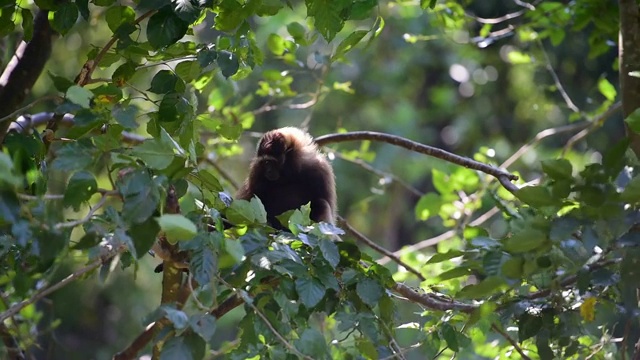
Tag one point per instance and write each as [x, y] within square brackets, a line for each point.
[513, 343]
[502, 176]
[432, 301]
[363, 239]
[24, 68]
[84, 77]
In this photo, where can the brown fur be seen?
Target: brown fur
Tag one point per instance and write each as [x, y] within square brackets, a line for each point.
[289, 171]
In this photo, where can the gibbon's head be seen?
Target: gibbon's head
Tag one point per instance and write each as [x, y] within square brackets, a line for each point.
[281, 150]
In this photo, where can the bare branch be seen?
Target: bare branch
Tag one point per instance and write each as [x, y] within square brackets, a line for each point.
[363, 239]
[380, 173]
[593, 124]
[29, 106]
[269, 325]
[27, 122]
[556, 80]
[422, 149]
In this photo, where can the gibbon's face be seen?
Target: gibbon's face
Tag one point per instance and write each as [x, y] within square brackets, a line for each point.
[272, 154]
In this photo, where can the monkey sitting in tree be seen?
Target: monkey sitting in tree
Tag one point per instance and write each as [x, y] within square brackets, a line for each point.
[289, 171]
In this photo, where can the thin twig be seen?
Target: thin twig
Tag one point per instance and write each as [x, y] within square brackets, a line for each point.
[87, 69]
[497, 20]
[501, 175]
[513, 343]
[225, 175]
[92, 211]
[540, 136]
[62, 283]
[557, 82]
[360, 237]
[572, 279]
[380, 173]
[592, 125]
[268, 323]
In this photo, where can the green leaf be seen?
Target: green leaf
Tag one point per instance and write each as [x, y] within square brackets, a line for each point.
[125, 115]
[312, 343]
[633, 121]
[177, 227]
[492, 262]
[449, 334]
[61, 84]
[310, 291]
[528, 326]
[118, 15]
[517, 57]
[140, 195]
[440, 257]
[349, 43]
[330, 252]
[327, 16]
[525, 240]
[276, 44]
[7, 171]
[235, 249]
[164, 82]
[228, 63]
[188, 71]
[203, 265]
[74, 156]
[513, 268]
[155, 153]
[559, 169]
[123, 73]
[484, 288]
[248, 211]
[174, 107]
[165, 28]
[297, 32]
[175, 348]
[121, 235]
[80, 96]
[607, 89]
[454, 273]
[83, 8]
[9, 207]
[369, 291]
[27, 24]
[144, 235]
[536, 196]
[81, 187]
[203, 325]
[65, 16]
[428, 206]
[631, 193]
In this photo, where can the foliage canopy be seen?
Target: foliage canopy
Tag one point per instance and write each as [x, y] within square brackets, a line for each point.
[140, 143]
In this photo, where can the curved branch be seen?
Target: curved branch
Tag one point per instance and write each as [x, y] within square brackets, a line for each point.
[360, 237]
[503, 176]
[432, 301]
